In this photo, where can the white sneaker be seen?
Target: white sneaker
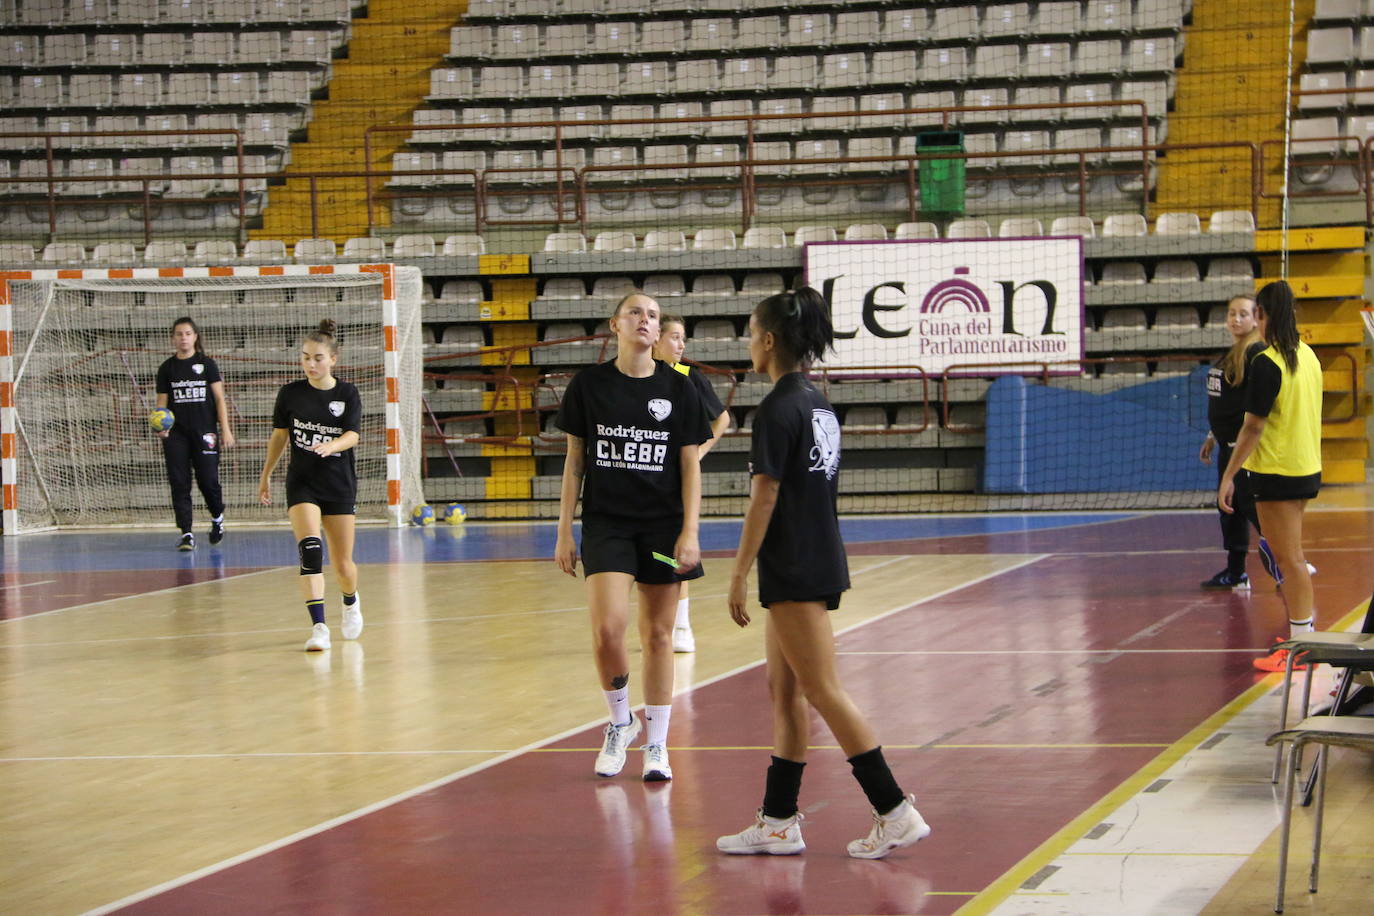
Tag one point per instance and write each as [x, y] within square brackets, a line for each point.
[319, 638]
[656, 767]
[353, 619]
[683, 640]
[611, 760]
[767, 836]
[902, 826]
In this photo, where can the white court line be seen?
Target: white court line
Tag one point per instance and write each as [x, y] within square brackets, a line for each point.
[161, 591]
[487, 764]
[27, 585]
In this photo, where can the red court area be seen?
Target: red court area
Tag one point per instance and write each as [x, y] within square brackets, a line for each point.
[1009, 707]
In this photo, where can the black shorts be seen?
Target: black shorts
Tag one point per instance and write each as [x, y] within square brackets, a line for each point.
[1269, 488]
[624, 546]
[831, 602]
[303, 494]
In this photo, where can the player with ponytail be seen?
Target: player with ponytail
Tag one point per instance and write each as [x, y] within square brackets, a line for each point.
[319, 416]
[792, 528]
[1279, 450]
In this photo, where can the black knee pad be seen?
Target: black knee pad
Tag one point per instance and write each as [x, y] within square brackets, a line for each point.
[311, 550]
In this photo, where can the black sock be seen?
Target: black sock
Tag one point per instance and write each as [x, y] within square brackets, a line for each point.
[875, 778]
[781, 788]
[1235, 563]
[316, 608]
[350, 599]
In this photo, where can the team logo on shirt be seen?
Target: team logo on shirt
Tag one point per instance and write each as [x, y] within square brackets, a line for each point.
[659, 408]
[197, 368]
[336, 408]
[825, 453]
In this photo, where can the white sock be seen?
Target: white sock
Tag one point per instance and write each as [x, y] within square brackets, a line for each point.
[218, 519]
[1296, 627]
[683, 620]
[656, 719]
[619, 702]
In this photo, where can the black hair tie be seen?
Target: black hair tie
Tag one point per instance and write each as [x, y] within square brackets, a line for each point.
[793, 306]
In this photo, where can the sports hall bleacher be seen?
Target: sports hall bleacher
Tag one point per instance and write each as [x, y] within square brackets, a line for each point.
[538, 159]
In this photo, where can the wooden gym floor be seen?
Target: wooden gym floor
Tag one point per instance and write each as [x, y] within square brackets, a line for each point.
[1080, 723]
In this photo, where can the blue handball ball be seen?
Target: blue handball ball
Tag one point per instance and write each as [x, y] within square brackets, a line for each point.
[453, 514]
[160, 419]
[422, 515]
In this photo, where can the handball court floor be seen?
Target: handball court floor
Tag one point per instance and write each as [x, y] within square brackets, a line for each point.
[1081, 725]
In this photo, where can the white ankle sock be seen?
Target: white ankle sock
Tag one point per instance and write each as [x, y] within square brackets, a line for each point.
[619, 702]
[656, 722]
[683, 620]
[1297, 627]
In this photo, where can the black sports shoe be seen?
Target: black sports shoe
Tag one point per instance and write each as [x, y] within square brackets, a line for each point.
[216, 531]
[187, 542]
[1224, 579]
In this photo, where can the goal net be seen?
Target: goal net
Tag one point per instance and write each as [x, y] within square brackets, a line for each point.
[79, 378]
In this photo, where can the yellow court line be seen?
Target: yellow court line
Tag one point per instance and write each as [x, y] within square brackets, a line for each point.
[1052, 848]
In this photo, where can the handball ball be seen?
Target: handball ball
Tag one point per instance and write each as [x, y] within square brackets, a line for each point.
[454, 513]
[160, 419]
[422, 515]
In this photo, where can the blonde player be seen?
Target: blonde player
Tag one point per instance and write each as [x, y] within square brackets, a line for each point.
[634, 427]
[671, 344]
[319, 416]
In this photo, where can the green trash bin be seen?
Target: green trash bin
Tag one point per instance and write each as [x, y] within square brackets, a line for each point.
[942, 181]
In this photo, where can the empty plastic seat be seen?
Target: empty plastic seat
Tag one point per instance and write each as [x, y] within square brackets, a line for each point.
[744, 74]
[1176, 316]
[714, 329]
[819, 150]
[1122, 273]
[1323, 91]
[615, 240]
[714, 239]
[1231, 221]
[1150, 55]
[465, 291]
[645, 77]
[1154, 93]
[764, 237]
[597, 79]
[1124, 318]
[710, 34]
[713, 285]
[1073, 225]
[664, 285]
[866, 417]
[1097, 56]
[708, 153]
[563, 288]
[861, 232]
[759, 32]
[878, 150]
[665, 240]
[662, 36]
[468, 337]
[112, 252]
[265, 251]
[942, 64]
[1056, 17]
[958, 23]
[16, 253]
[997, 61]
[916, 230]
[1176, 270]
[1048, 59]
[665, 156]
[548, 81]
[1239, 270]
[1123, 224]
[764, 283]
[315, 251]
[1332, 45]
[1178, 224]
[413, 246]
[63, 253]
[165, 251]
[806, 234]
[994, 98]
[843, 70]
[566, 38]
[364, 248]
[1020, 227]
[612, 287]
[968, 229]
[565, 242]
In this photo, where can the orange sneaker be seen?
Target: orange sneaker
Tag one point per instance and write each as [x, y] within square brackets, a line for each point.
[1276, 661]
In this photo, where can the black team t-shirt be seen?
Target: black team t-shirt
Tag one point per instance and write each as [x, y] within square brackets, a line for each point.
[633, 430]
[186, 382]
[311, 416]
[1226, 402]
[710, 403]
[796, 441]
